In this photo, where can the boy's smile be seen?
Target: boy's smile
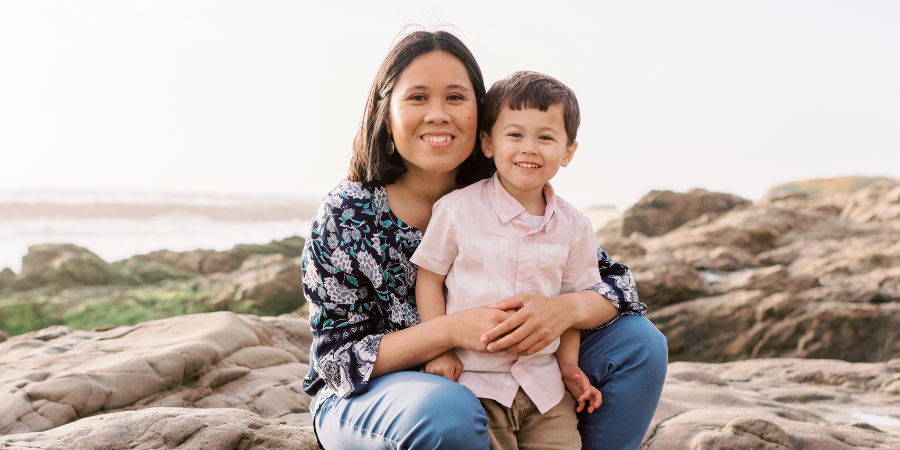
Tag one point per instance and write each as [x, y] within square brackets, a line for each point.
[528, 146]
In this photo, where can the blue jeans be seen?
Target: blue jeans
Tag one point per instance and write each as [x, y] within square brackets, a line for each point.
[411, 410]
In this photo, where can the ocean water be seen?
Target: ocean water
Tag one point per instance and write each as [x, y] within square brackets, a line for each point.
[115, 239]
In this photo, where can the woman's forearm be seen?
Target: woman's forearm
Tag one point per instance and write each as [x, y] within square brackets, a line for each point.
[591, 309]
[407, 348]
[410, 347]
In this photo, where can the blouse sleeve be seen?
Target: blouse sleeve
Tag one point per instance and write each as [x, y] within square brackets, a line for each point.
[617, 286]
[337, 266]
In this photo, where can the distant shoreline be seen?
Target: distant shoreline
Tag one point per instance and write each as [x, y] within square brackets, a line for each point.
[237, 213]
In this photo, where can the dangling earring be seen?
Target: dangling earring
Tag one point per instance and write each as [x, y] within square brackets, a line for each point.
[390, 145]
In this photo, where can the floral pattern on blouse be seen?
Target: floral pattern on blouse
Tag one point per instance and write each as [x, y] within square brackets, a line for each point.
[360, 285]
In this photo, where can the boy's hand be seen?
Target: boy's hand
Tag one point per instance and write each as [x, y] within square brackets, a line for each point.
[446, 365]
[580, 387]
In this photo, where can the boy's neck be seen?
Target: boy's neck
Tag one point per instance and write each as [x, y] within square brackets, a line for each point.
[532, 199]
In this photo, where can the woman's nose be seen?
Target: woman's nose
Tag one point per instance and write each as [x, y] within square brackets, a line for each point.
[437, 113]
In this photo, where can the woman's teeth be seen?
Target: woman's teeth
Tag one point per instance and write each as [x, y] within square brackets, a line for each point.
[528, 165]
[437, 139]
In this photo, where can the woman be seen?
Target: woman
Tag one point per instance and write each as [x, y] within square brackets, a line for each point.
[417, 143]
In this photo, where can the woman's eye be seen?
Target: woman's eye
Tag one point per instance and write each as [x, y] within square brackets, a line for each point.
[418, 97]
[455, 97]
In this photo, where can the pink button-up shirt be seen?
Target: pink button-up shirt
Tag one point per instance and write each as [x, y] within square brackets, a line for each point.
[480, 237]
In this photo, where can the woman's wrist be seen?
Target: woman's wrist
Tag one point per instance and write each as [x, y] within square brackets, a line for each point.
[444, 327]
[590, 310]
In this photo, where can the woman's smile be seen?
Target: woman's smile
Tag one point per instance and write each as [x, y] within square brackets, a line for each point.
[437, 138]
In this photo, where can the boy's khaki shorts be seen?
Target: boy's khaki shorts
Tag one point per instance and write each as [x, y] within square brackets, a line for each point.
[522, 426]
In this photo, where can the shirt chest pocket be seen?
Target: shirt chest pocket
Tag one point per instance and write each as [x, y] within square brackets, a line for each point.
[551, 266]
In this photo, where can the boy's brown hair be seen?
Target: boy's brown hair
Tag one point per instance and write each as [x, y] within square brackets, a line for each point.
[532, 90]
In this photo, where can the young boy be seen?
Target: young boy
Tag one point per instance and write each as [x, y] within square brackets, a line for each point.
[511, 234]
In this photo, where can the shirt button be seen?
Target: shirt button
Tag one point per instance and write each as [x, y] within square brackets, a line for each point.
[524, 216]
[516, 369]
[505, 217]
[526, 239]
[521, 288]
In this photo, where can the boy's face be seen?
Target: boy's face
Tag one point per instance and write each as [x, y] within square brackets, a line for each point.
[528, 146]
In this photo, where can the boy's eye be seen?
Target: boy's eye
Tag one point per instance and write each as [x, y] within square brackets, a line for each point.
[546, 138]
[515, 134]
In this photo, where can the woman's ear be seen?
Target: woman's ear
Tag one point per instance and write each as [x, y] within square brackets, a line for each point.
[486, 145]
[570, 152]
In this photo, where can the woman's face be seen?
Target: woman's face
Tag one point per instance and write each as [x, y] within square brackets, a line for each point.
[434, 115]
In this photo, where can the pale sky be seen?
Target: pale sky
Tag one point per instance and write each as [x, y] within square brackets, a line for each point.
[265, 96]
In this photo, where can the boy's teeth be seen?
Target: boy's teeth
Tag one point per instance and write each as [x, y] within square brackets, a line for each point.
[443, 138]
[530, 166]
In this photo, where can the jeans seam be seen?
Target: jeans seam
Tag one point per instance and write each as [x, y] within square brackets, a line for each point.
[606, 397]
[371, 433]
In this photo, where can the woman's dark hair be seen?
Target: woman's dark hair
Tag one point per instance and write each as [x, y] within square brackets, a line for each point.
[371, 162]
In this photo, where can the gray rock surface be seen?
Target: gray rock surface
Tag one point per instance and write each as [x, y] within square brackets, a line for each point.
[169, 428]
[659, 212]
[801, 274]
[879, 202]
[55, 376]
[228, 381]
[65, 265]
[7, 277]
[778, 404]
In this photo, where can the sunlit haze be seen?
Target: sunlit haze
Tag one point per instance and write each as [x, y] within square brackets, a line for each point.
[264, 97]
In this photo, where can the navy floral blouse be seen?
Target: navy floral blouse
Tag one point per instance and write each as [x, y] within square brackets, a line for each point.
[360, 284]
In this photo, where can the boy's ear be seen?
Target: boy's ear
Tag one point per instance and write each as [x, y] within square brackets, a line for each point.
[486, 145]
[570, 152]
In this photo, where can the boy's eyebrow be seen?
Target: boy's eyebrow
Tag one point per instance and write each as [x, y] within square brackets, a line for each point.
[539, 129]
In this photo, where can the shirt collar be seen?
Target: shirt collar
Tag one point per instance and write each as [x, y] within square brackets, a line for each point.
[507, 207]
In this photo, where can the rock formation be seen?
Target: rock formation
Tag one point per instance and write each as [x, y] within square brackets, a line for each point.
[659, 212]
[66, 265]
[257, 279]
[778, 404]
[806, 275]
[227, 381]
[54, 376]
[169, 428]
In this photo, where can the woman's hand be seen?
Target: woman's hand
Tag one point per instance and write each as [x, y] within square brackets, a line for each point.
[471, 324]
[535, 323]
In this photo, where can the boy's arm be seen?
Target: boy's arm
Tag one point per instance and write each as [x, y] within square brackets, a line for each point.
[569, 342]
[573, 378]
[430, 302]
[430, 294]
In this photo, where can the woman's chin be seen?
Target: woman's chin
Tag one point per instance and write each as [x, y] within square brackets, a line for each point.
[435, 165]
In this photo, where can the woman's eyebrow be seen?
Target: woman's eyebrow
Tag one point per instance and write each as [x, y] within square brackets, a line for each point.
[450, 86]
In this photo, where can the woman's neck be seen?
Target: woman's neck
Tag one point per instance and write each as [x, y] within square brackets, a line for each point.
[413, 195]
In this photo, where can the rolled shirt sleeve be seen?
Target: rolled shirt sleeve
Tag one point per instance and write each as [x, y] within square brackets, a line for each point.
[618, 286]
